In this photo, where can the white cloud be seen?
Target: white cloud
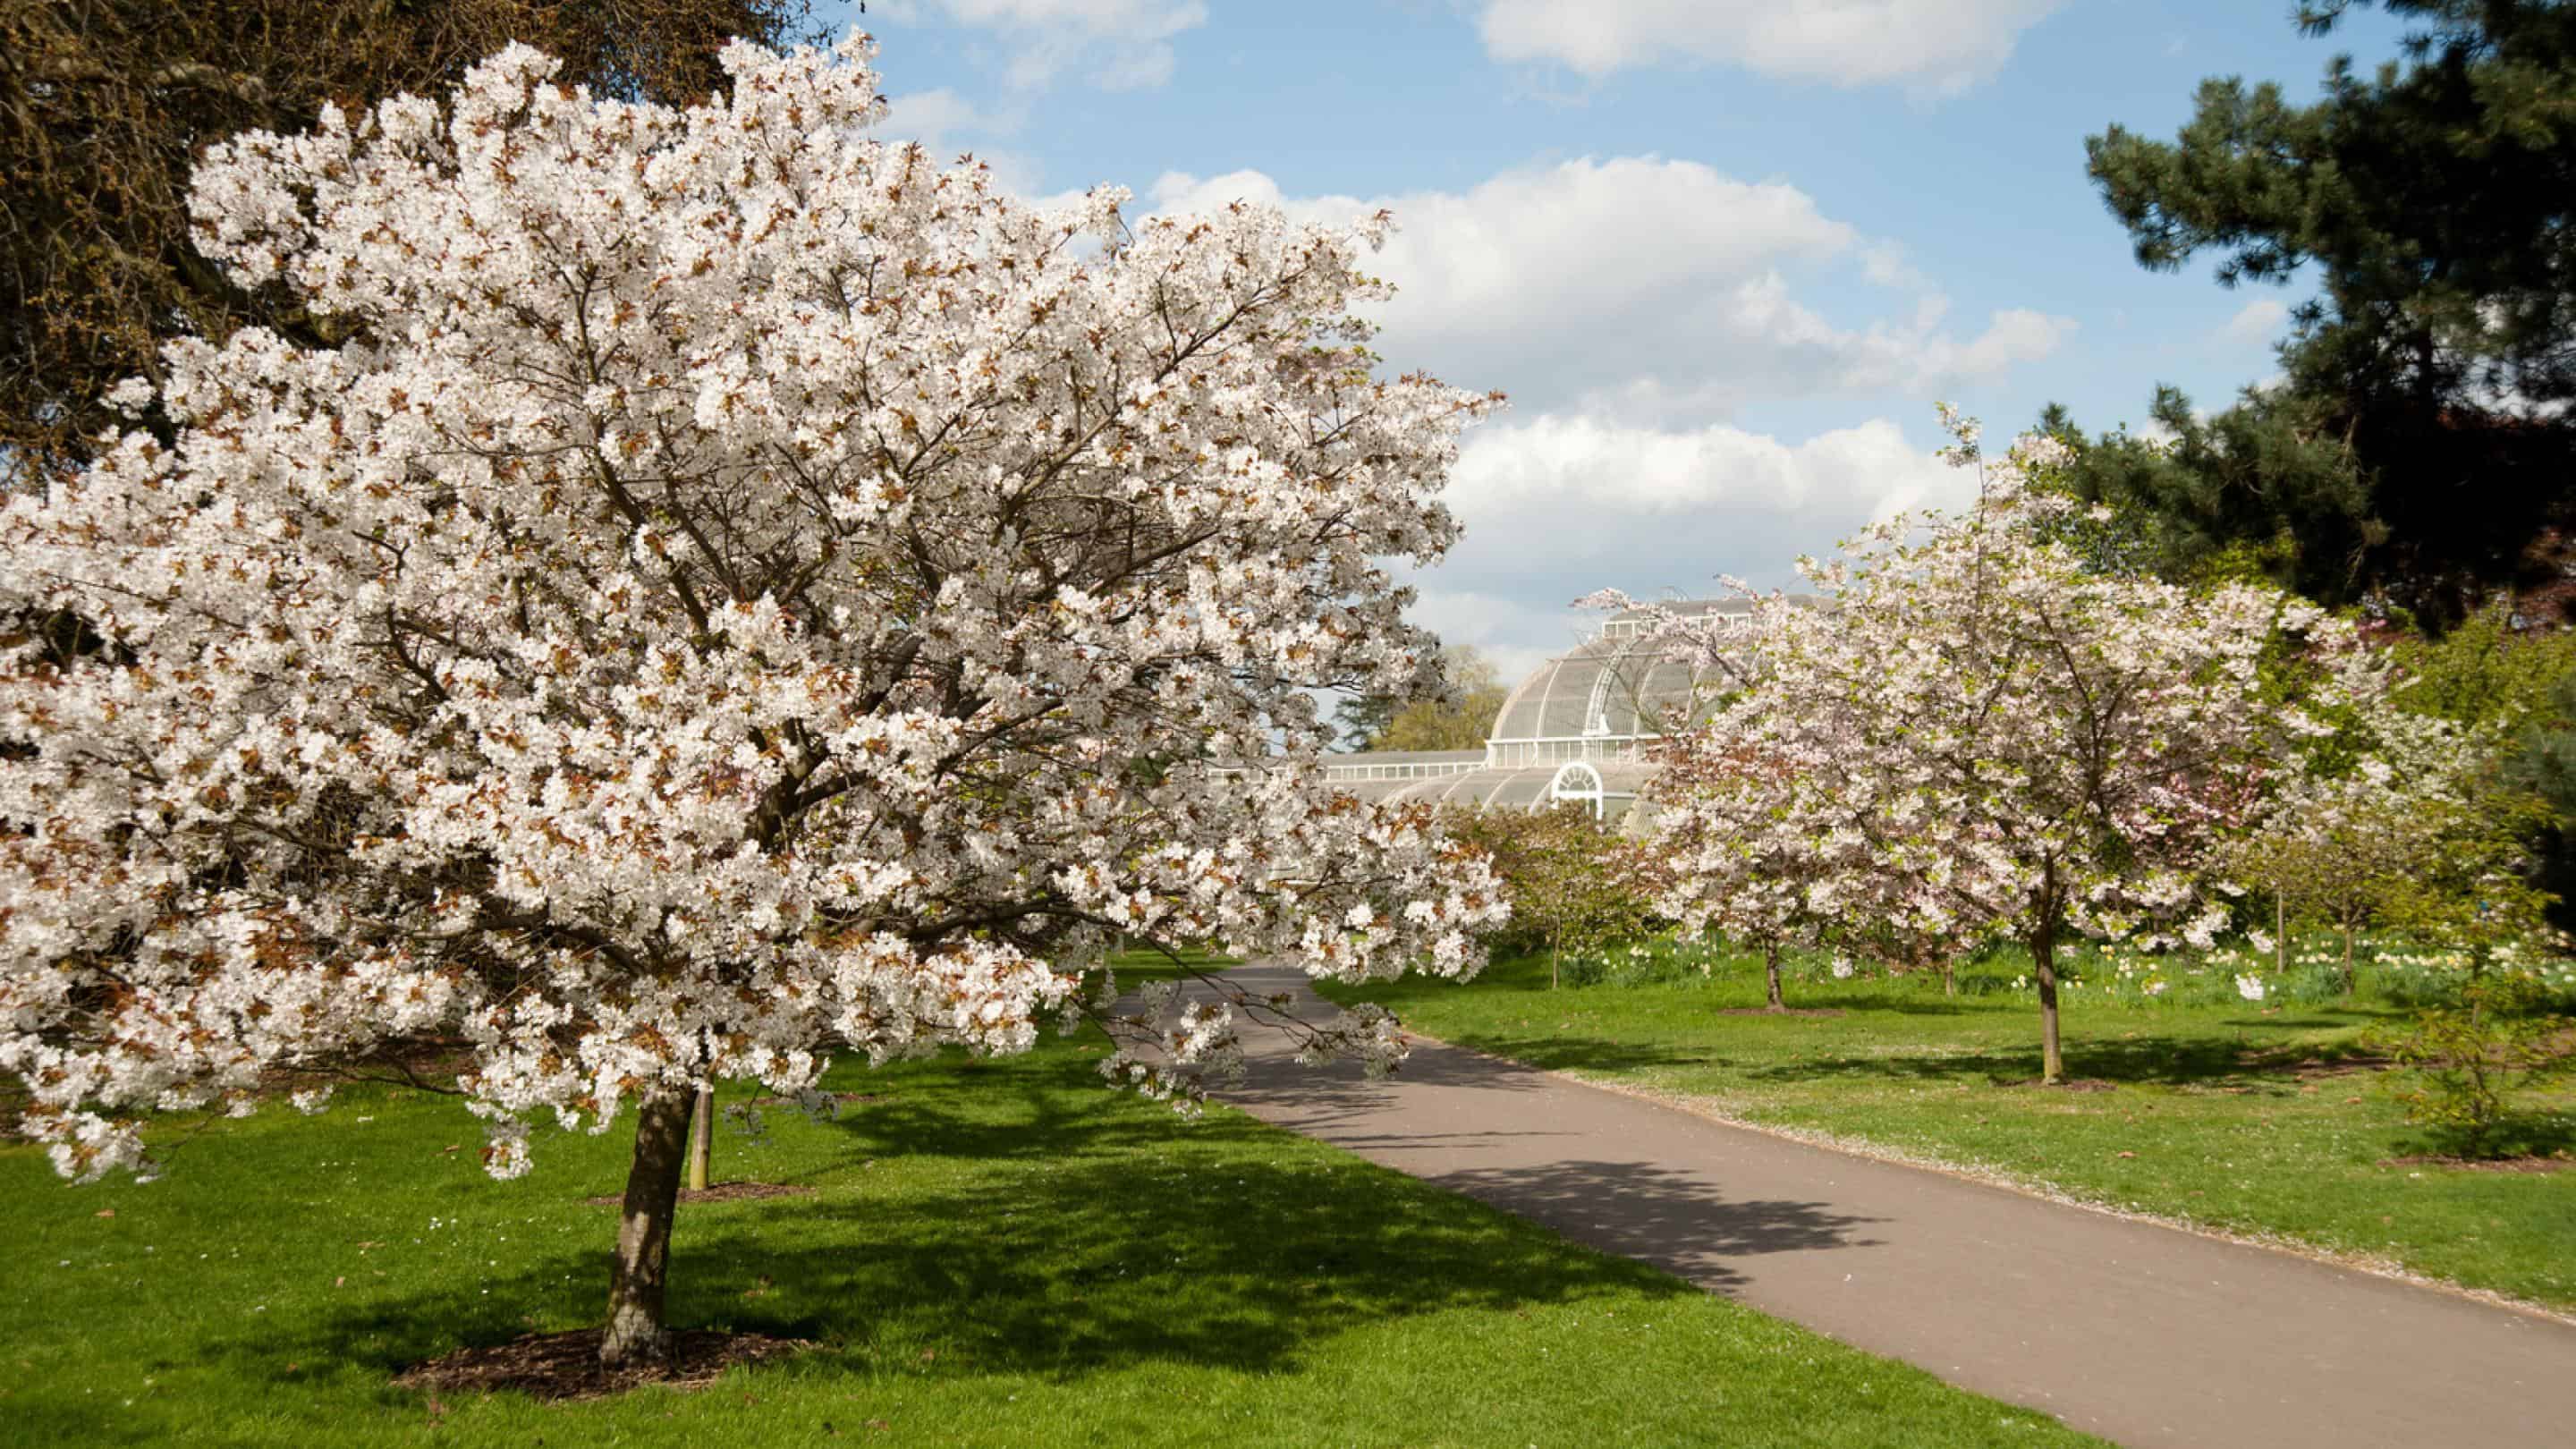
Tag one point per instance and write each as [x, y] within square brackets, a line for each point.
[1647, 289]
[1631, 307]
[1114, 44]
[2257, 322]
[1581, 464]
[2013, 335]
[1517, 636]
[1934, 46]
[1557, 506]
[941, 120]
[936, 118]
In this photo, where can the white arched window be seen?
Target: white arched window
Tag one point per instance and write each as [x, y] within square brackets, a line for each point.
[1577, 781]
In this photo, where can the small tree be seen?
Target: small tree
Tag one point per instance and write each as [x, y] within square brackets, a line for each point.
[1738, 848]
[2347, 840]
[2002, 740]
[2493, 1035]
[2472, 1056]
[1458, 718]
[1573, 885]
[744, 595]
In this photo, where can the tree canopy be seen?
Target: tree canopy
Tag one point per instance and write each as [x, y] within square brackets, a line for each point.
[1573, 883]
[2415, 449]
[105, 105]
[745, 593]
[1978, 735]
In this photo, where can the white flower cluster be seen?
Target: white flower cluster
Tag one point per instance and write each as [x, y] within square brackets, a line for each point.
[746, 592]
[1972, 734]
[1366, 1032]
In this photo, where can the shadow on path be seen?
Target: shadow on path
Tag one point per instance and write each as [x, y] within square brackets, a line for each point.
[2218, 1343]
[1679, 1221]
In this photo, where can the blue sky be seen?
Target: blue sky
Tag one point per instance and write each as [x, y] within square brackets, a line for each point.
[1722, 254]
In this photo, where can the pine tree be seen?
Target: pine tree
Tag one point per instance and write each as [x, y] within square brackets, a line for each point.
[2414, 451]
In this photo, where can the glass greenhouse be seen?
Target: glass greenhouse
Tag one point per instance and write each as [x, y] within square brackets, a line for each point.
[1574, 730]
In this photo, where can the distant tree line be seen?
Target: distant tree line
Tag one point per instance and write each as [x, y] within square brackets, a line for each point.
[1456, 716]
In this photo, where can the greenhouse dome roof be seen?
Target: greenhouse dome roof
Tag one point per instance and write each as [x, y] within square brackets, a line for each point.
[1572, 730]
[1620, 683]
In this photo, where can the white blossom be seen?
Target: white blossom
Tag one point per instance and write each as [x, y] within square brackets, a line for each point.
[1969, 733]
[747, 594]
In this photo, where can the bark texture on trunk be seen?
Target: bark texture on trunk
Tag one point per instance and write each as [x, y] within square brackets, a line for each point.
[702, 1139]
[636, 1276]
[2043, 955]
[1771, 971]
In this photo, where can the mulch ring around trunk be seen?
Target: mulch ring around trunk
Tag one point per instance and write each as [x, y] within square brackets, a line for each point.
[566, 1365]
[721, 1192]
[2554, 1163]
[1780, 1011]
[2065, 1084]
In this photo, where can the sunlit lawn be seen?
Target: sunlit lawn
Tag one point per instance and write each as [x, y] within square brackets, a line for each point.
[2263, 1118]
[997, 1253]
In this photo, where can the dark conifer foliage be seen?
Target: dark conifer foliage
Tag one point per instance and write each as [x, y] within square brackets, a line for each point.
[2418, 450]
[104, 105]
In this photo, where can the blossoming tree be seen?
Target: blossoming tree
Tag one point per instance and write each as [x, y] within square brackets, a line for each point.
[1739, 845]
[761, 596]
[2347, 843]
[1572, 883]
[1994, 740]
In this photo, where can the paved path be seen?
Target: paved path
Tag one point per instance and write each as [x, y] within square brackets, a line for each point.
[2145, 1335]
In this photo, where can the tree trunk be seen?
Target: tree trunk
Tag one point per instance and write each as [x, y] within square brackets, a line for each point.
[1949, 976]
[1551, 965]
[2043, 955]
[2280, 932]
[702, 1138]
[1771, 972]
[635, 1279]
[2347, 958]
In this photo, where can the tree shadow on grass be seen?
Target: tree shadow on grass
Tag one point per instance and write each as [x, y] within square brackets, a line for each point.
[1556, 1052]
[2183, 1061]
[1064, 1233]
[2526, 1139]
[1934, 1007]
[2326, 1020]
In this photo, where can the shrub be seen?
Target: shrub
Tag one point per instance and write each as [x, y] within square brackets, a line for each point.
[2474, 1056]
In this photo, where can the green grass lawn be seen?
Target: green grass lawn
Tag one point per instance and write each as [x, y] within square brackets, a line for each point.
[2209, 1116]
[996, 1253]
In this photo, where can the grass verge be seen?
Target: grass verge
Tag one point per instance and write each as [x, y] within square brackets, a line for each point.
[994, 1253]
